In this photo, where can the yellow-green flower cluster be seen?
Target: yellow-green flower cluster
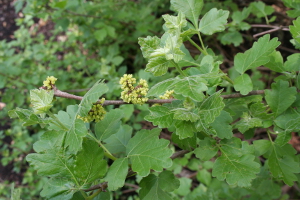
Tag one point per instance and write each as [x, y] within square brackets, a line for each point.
[168, 95]
[133, 94]
[49, 82]
[96, 114]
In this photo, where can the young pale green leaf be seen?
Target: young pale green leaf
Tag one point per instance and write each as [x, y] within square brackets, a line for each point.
[109, 125]
[158, 66]
[185, 129]
[222, 125]
[41, 100]
[146, 151]
[295, 30]
[175, 23]
[117, 173]
[192, 87]
[117, 143]
[207, 149]
[162, 87]
[58, 188]
[49, 140]
[283, 163]
[185, 114]
[257, 55]
[213, 21]
[280, 97]
[190, 8]
[276, 62]
[211, 107]
[291, 64]
[189, 143]
[91, 97]
[236, 170]
[187, 59]
[173, 44]
[247, 122]
[89, 163]
[149, 45]
[243, 83]
[160, 116]
[157, 187]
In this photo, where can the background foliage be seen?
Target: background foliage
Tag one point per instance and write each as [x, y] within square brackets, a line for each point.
[80, 42]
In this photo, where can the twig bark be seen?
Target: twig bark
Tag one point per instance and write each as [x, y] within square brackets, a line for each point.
[59, 93]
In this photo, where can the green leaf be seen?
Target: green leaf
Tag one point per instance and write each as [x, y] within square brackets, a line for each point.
[222, 125]
[207, 149]
[233, 37]
[184, 129]
[117, 143]
[276, 62]
[27, 117]
[190, 8]
[91, 97]
[211, 107]
[237, 167]
[261, 146]
[157, 187]
[109, 125]
[117, 174]
[213, 21]
[260, 9]
[189, 143]
[41, 100]
[68, 175]
[75, 128]
[160, 116]
[204, 176]
[89, 164]
[247, 122]
[280, 97]
[50, 160]
[58, 188]
[185, 114]
[283, 164]
[256, 56]
[100, 35]
[295, 30]
[243, 83]
[148, 45]
[192, 87]
[146, 151]
[291, 63]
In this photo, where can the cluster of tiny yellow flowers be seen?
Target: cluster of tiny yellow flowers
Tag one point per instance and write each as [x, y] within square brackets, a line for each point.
[133, 94]
[168, 95]
[96, 113]
[49, 82]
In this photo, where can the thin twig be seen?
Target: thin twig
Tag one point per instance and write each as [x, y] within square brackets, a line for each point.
[285, 28]
[266, 32]
[59, 93]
